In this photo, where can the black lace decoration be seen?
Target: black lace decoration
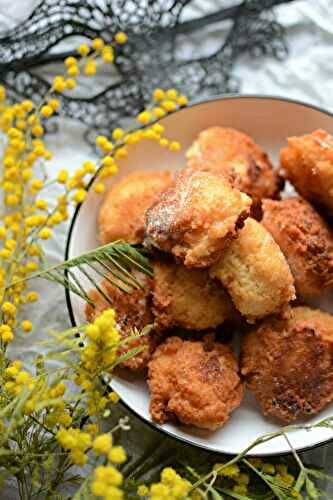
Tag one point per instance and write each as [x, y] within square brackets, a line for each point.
[150, 59]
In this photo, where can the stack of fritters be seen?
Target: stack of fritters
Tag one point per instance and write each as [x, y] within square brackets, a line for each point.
[226, 250]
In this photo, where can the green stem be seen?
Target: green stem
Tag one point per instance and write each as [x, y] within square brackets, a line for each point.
[41, 425]
[260, 440]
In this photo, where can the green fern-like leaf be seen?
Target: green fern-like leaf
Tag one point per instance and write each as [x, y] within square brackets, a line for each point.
[115, 262]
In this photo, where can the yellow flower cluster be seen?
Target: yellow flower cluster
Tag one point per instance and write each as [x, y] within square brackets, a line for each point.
[171, 487]
[234, 472]
[103, 445]
[86, 62]
[77, 442]
[27, 217]
[117, 147]
[98, 356]
[88, 55]
[106, 482]
[57, 413]
[16, 378]
[107, 478]
[41, 394]
[242, 479]
[279, 471]
[165, 101]
[28, 220]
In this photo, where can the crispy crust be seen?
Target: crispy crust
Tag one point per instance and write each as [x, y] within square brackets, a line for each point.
[308, 164]
[194, 382]
[188, 298]
[234, 154]
[255, 273]
[196, 217]
[288, 364]
[122, 214]
[132, 310]
[306, 241]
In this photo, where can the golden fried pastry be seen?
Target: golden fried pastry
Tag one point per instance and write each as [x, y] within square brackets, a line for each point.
[188, 298]
[196, 382]
[288, 364]
[308, 164]
[132, 311]
[122, 214]
[195, 217]
[255, 273]
[234, 154]
[306, 241]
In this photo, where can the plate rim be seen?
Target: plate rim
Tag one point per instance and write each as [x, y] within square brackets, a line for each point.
[151, 424]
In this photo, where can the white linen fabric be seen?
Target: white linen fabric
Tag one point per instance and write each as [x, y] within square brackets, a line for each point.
[306, 74]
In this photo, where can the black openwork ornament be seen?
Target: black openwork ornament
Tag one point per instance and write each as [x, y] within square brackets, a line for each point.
[151, 58]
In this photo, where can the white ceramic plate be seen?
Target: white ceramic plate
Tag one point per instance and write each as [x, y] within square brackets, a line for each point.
[269, 121]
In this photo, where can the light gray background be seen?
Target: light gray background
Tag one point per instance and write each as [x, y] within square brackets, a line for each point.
[306, 74]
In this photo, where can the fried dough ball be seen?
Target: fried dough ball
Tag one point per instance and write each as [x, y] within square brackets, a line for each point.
[234, 154]
[288, 364]
[195, 382]
[122, 214]
[308, 164]
[188, 298]
[195, 217]
[306, 241]
[132, 310]
[255, 273]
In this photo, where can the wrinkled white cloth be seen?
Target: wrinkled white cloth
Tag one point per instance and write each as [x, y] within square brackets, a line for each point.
[306, 74]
